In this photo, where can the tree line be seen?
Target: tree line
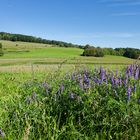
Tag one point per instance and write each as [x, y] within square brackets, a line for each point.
[27, 38]
[100, 52]
[88, 50]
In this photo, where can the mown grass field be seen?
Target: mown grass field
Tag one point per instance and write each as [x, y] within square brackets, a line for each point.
[53, 93]
[18, 54]
[36, 50]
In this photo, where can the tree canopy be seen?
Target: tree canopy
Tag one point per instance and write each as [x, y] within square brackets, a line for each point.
[88, 50]
[27, 38]
[100, 52]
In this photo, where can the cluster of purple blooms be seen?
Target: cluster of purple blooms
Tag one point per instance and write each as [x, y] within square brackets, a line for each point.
[128, 80]
[74, 92]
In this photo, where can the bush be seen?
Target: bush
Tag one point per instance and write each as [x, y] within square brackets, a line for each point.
[97, 52]
[132, 53]
[120, 51]
[1, 52]
[109, 51]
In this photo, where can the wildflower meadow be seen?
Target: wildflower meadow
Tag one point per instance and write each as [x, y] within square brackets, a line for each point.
[85, 104]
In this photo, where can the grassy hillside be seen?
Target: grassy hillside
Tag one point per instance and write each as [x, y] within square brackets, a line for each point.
[22, 53]
[54, 93]
[37, 50]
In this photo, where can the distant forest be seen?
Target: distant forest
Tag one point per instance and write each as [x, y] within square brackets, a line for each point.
[88, 50]
[100, 52]
[27, 38]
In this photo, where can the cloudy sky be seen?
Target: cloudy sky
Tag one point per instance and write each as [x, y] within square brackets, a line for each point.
[105, 23]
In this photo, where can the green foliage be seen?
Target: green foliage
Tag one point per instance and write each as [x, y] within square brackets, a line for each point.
[0, 45]
[27, 38]
[1, 51]
[87, 46]
[65, 107]
[96, 52]
[109, 51]
[127, 52]
[89, 50]
[120, 51]
[132, 53]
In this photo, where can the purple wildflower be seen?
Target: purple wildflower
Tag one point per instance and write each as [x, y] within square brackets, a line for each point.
[112, 80]
[101, 70]
[116, 93]
[86, 80]
[116, 81]
[80, 80]
[135, 88]
[125, 82]
[45, 85]
[95, 79]
[28, 100]
[81, 84]
[73, 76]
[100, 81]
[34, 96]
[62, 88]
[128, 93]
[79, 77]
[2, 133]
[137, 74]
[120, 81]
[127, 71]
[72, 96]
[102, 76]
[131, 70]
[86, 72]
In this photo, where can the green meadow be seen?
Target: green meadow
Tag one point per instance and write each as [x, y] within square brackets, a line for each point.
[54, 93]
[22, 53]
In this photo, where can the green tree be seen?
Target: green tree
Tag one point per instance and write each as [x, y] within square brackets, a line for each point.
[132, 53]
[1, 51]
[96, 52]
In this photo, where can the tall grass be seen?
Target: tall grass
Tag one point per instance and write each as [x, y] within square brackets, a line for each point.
[85, 104]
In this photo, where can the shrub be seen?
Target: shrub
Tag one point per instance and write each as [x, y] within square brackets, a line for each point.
[109, 51]
[132, 53]
[97, 52]
[120, 51]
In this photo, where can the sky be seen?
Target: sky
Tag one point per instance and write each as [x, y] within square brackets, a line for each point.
[104, 23]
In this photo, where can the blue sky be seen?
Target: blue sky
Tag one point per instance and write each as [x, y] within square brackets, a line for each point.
[105, 23]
